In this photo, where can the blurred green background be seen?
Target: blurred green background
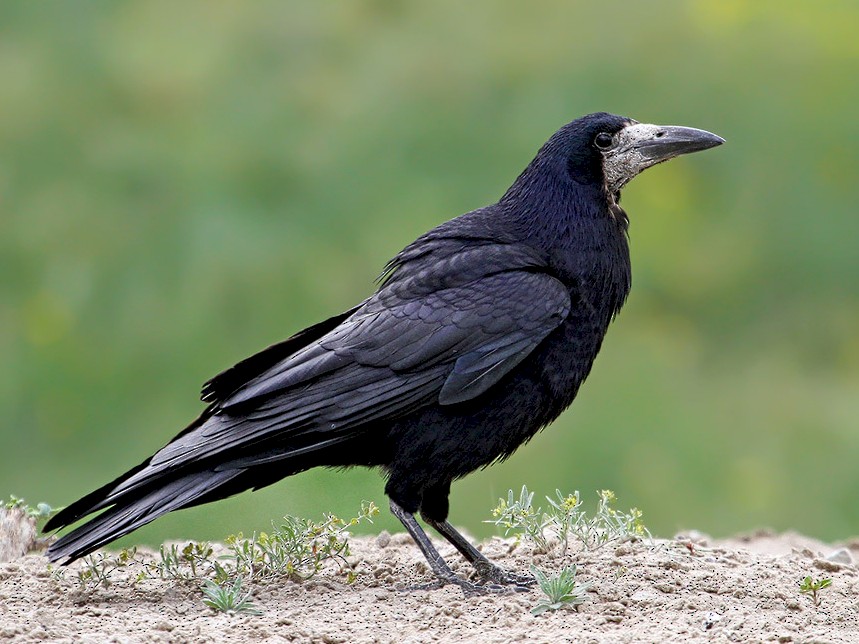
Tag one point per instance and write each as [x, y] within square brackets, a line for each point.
[182, 184]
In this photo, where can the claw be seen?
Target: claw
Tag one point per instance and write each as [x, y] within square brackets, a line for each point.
[495, 574]
[510, 584]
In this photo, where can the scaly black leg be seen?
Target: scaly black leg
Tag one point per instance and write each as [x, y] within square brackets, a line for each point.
[444, 575]
[487, 570]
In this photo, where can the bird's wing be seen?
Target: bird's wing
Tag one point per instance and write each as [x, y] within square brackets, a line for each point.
[389, 358]
[225, 383]
[477, 331]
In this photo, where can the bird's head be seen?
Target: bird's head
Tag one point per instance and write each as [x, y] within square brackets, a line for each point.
[611, 150]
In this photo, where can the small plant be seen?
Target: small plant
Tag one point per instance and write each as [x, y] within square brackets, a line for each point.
[40, 514]
[519, 516]
[228, 598]
[561, 590]
[811, 587]
[98, 568]
[607, 525]
[169, 565]
[564, 518]
[191, 562]
[298, 547]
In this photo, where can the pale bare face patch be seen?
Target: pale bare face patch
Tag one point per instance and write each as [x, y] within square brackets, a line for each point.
[624, 160]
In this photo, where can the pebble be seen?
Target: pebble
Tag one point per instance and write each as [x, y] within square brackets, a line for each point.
[384, 539]
[841, 556]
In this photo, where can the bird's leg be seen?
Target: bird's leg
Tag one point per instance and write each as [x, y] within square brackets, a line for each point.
[444, 575]
[434, 559]
[487, 570]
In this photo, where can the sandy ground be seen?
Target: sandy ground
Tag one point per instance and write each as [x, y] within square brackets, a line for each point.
[739, 590]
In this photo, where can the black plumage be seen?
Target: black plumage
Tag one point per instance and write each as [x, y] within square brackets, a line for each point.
[480, 334]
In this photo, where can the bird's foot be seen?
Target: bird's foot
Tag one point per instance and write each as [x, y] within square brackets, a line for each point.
[472, 589]
[497, 576]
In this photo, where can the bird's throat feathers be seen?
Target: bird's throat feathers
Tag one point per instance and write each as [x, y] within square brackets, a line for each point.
[578, 225]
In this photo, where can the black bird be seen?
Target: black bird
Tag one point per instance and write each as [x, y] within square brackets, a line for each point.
[480, 334]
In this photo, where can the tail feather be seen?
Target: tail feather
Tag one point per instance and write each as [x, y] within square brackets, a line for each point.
[106, 495]
[88, 504]
[131, 514]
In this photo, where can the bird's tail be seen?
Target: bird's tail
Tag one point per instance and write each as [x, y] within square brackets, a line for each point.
[132, 510]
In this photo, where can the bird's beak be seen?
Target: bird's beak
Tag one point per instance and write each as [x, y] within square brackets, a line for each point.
[663, 142]
[641, 145]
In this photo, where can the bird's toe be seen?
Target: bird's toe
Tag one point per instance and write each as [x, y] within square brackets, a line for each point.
[474, 589]
[493, 574]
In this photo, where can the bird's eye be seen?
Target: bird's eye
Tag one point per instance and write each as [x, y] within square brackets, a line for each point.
[603, 140]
